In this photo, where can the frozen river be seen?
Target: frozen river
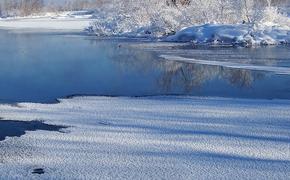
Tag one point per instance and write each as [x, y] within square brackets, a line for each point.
[41, 67]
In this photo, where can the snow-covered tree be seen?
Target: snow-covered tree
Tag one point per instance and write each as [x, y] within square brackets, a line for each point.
[20, 7]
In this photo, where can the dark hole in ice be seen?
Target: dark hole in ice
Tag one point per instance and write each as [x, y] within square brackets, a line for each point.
[38, 171]
[11, 128]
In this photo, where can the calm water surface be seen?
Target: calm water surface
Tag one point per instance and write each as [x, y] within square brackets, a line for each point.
[44, 67]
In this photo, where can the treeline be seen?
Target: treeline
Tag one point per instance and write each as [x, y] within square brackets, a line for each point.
[28, 7]
[10, 8]
[74, 5]
[20, 7]
[257, 2]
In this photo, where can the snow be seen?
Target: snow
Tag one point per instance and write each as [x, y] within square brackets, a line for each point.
[234, 65]
[201, 22]
[72, 21]
[45, 24]
[151, 138]
[234, 34]
[271, 29]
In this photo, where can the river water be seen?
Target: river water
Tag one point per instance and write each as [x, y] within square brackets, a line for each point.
[41, 67]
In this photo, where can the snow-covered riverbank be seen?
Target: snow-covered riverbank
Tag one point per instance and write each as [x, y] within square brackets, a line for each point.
[46, 24]
[151, 138]
[75, 21]
[267, 32]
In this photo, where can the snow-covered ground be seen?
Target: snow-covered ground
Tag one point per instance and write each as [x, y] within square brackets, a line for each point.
[272, 28]
[234, 34]
[75, 21]
[151, 138]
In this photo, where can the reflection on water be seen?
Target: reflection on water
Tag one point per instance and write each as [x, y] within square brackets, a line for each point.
[192, 76]
[43, 67]
[207, 80]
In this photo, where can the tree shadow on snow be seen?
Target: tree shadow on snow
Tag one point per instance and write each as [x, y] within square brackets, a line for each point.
[213, 133]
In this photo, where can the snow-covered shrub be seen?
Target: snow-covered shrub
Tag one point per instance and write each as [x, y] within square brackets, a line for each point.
[270, 16]
[144, 18]
[159, 17]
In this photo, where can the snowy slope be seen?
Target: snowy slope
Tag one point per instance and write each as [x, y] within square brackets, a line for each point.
[151, 138]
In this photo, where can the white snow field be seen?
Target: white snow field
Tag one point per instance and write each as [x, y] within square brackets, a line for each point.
[74, 21]
[151, 138]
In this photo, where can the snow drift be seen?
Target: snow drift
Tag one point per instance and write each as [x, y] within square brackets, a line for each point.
[238, 34]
